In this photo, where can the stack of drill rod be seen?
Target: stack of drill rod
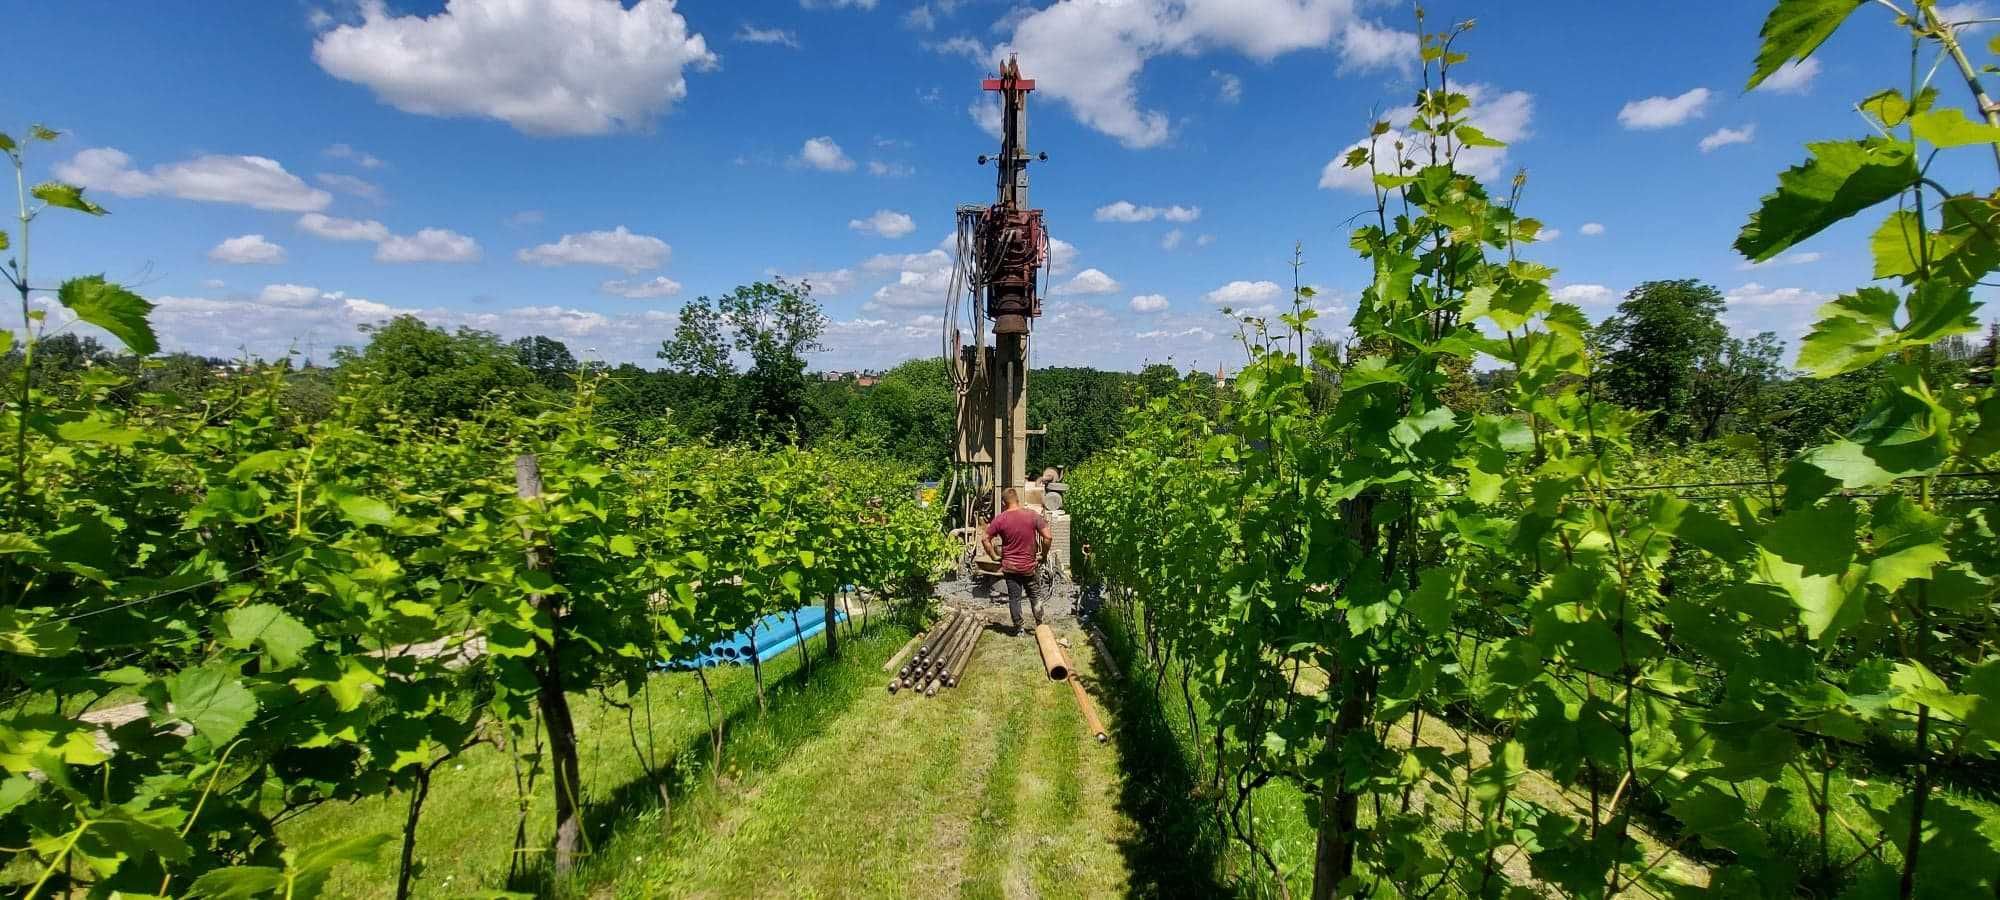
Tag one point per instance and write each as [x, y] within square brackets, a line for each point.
[940, 660]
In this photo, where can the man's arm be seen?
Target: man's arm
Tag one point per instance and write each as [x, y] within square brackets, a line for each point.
[1044, 539]
[986, 542]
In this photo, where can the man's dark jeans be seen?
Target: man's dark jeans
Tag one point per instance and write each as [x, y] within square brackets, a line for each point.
[1018, 584]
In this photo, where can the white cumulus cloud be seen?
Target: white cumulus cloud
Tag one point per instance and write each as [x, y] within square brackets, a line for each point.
[337, 229]
[659, 286]
[831, 283]
[1723, 137]
[1366, 45]
[428, 245]
[1228, 88]
[618, 248]
[247, 249]
[1802, 258]
[1149, 303]
[1086, 282]
[348, 184]
[1792, 77]
[360, 158]
[1664, 112]
[1062, 256]
[553, 67]
[1591, 229]
[1586, 294]
[751, 34]
[913, 289]
[886, 223]
[1245, 293]
[823, 154]
[1754, 294]
[253, 181]
[1089, 54]
[1126, 211]
[985, 113]
[1171, 239]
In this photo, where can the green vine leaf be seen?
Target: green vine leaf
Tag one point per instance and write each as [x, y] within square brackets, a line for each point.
[360, 508]
[280, 636]
[1895, 245]
[120, 834]
[1842, 178]
[213, 699]
[310, 867]
[112, 308]
[1826, 604]
[1967, 248]
[1948, 127]
[1909, 542]
[1938, 310]
[67, 196]
[1794, 29]
[1852, 332]
[237, 883]
[24, 634]
[99, 430]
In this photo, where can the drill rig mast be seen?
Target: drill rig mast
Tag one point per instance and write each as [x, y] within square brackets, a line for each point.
[1001, 249]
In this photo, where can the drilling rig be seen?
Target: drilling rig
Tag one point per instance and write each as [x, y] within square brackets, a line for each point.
[994, 300]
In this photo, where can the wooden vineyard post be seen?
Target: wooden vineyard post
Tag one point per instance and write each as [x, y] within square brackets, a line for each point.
[832, 625]
[549, 695]
[1351, 687]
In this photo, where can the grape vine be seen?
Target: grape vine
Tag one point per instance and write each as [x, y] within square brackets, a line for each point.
[1407, 609]
[299, 614]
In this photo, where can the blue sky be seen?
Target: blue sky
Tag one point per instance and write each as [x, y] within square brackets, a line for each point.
[280, 172]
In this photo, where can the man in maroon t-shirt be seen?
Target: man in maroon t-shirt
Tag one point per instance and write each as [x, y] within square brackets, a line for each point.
[1024, 542]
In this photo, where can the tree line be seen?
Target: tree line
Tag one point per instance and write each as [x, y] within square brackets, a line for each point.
[1664, 351]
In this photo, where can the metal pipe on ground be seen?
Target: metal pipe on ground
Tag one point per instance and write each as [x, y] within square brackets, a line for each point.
[915, 673]
[1104, 657]
[1055, 659]
[937, 631]
[941, 635]
[941, 646]
[896, 681]
[897, 660]
[943, 677]
[930, 640]
[927, 681]
[1089, 712]
[1052, 656]
[957, 673]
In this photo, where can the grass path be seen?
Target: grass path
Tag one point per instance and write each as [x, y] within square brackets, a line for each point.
[993, 789]
[467, 831]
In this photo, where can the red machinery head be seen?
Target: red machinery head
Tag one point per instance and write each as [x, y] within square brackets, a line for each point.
[1011, 242]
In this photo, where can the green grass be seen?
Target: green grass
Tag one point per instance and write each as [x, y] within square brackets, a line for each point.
[1186, 848]
[465, 839]
[992, 789]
